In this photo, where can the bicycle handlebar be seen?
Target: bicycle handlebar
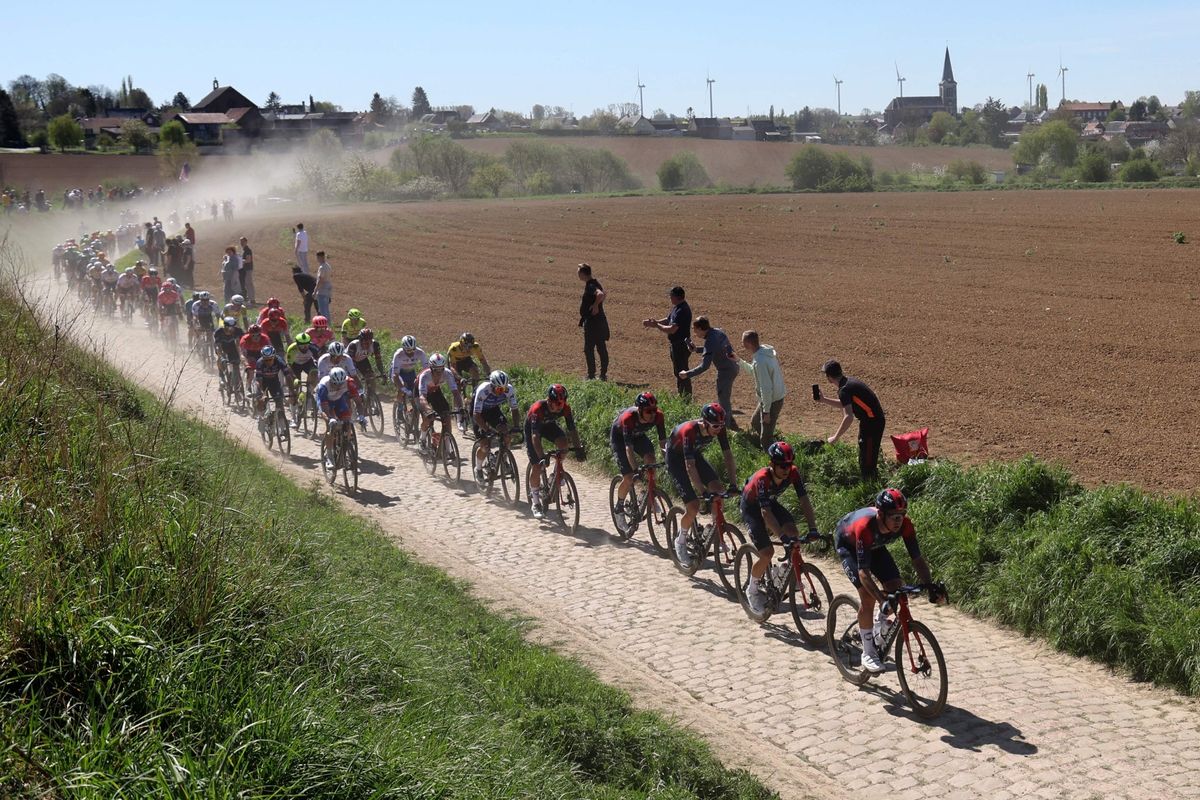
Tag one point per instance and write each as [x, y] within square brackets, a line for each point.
[644, 468]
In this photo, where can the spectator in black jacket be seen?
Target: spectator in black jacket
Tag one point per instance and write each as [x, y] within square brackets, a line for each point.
[307, 284]
[856, 399]
[676, 325]
[594, 323]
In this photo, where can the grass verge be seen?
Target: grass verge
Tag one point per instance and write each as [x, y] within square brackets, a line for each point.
[181, 620]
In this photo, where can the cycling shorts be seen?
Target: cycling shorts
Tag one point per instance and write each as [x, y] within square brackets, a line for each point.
[272, 385]
[883, 566]
[677, 466]
[340, 408]
[204, 323]
[760, 534]
[440, 405]
[642, 446]
[464, 365]
[307, 368]
[408, 379]
[550, 433]
[492, 416]
[171, 310]
[364, 369]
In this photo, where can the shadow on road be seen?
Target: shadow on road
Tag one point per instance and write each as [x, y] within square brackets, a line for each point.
[372, 497]
[964, 730]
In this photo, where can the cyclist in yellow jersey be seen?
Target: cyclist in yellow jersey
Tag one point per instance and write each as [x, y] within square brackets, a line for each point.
[462, 355]
[352, 325]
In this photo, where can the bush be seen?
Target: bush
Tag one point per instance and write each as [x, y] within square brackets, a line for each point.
[683, 170]
[540, 182]
[813, 169]
[809, 168]
[65, 132]
[970, 171]
[1094, 168]
[491, 178]
[442, 158]
[423, 187]
[1140, 170]
[172, 133]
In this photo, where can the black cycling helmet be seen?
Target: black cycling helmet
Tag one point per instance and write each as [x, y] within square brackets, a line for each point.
[467, 338]
[891, 500]
[713, 414]
[646, 400]
[781, 453]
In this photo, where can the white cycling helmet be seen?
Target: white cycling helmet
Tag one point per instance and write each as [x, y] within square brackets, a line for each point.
[204, 296]
[498, 379]
[408, 343]
[338, 376]
[336, 349]
[237, 300]
[437, 361]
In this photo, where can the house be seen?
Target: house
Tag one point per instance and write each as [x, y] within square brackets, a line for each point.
[93, 127]
[808, 137]
[486, 122]
[1088, 112]
[346, 125]
[1139, 134]
[1092, 130]
[743, 133]
[146, 115]
[563, 122]
[916, 111]
[441, 116]
[666, 127]
[765, 130]
[635, 124]
[203, 128]
[222, 99]
[710, 128]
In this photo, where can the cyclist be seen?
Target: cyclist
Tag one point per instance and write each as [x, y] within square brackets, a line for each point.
[462, 355]
[109, 277]
[139, 269]
[95, 267]
[252, 345]
[227, 339]
[275, 326]
[151, 283]
[430, 398]
[189, 319]
[334, 393]
[127, 286]
[272, 304]
[352, 325]
[204, 311]
[862, 538]
[691, 473]
[270, 371]
[335, 356]
[629, 441]
[320, 333]
[407, 361]
[765, 515]
[302, 357]
[236, 307]
[360, 350]
[485, 411]
[168, 300]
[540, 424]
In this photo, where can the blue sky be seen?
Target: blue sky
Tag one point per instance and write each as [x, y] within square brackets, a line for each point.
[582, 55]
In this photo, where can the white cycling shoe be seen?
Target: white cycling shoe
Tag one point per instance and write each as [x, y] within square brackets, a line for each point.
[756, 598]
[681, 549]
[871, 662]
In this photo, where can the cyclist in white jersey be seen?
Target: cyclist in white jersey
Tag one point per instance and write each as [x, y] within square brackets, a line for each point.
[490, 397]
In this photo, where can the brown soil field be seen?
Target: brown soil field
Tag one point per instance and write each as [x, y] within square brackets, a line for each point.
[1054, 323]
[57, 171]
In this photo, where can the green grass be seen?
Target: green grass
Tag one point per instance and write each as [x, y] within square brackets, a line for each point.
[181, 620]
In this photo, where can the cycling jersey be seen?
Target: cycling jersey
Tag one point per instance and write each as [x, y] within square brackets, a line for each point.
[335, 400]
[761, 490]
[235, 311]
[168, 296]
[276, 326]
[425, 383]
[326, 363]
[228, 339]
[629, 425]
[486, 399]
[303, 354]
[321, 337]
[351, 328]
[205, 311]
[462, 352]
[271, 368]
[109, 278]
[541, 414]
[859, 534]
[360, 353]
[252, 344]
[689, 440]
[128, 283]
[403, 362]
[265, 313]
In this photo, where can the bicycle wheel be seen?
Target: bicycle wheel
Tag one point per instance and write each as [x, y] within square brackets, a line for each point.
[483, 481]
[329, 462]
[399, 422]
[670, 530]
[433, 455]
[283, 433]
[375, 413]
[743, 560]
[659, 512]
[350, 462]
[922, 670]
[626, 523]
[266, 430]
[724, 549]
[810, 597]
[509, 477]
[844, 643]
[451, 463]
[696, 541]
[566, 503]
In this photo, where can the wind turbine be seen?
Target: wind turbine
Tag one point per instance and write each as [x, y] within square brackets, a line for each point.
[710, 82]
[641, 99]
[900, 80]
[838, 84]
[1030, 76]
[1062, 73]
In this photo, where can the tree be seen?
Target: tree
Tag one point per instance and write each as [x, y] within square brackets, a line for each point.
[420, 103]
[172, 134]
[682, 171]
[10, 126]
[491, 178]
[970, 171]
[1190, 107]
[181, 102]
[444, 159]
[59, 95]
[1153, 105]
[1116, 112]
[27, 89]
[600, 120]
[273, 102]
[137, 98]
[381, 110]
[323, 107]
[1139, 110]
[1043, 97]
[1094, 167]
[539, 112]
[135, 135]
[325, 143]
[1139, 170]
[940, 125]
[1182, 144]
[172, 157]
[1055, 140]
[65, 132]
[810, 168]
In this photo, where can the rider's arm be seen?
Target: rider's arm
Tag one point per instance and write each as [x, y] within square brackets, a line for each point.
[378, 358]
[909, 534]
[802, 497]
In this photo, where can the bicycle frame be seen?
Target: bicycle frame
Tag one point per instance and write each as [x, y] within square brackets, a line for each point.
[903, 619]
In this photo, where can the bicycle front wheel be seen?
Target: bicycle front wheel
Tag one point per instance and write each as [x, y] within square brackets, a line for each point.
[283, 434]
[451, 463]
[509, 477]
[657, 518]
[743, 560]
[566, 503]
[810, 596]
[724, 548]
[922, 670]
[624, 521]
[328, 463]
[349, 458]
[479, 473]
[845, 645]
[375, 413]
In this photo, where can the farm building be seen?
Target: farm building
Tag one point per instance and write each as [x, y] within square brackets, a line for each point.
[487, 121]
[710, 128]
[635, 124]
[1090, 112]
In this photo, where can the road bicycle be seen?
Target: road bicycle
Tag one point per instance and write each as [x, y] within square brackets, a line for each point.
[108, 301]
[718, 537]
[439, 448]
[170, 328]
[340, 454]
[645, 502]
[790, 580]
[558, 490]
[920, 664]
[205, 349]
[373, 406]
[304, 409]
[273, 427]
[229, 379]
[406, 418]
[466, 387]
[500, 465]
[126, 304]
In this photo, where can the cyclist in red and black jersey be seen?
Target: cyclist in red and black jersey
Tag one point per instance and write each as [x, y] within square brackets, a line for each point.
[765, 515]
[540, 423]
[628, 439]
[689, 470]
[861, 538]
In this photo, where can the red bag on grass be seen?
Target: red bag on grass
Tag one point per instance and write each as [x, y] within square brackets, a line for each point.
[914, 444]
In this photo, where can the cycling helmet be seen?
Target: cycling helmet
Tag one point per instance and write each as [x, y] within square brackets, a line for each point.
[890, 501]
[273, 302]
[268, 351]
[354, 313]
[275, 313]
[336, 349]
[172, 281]
[129, 270]
[467, 338]
[238, 300]
[713, 414]
[320, 322]
[254, 329]
[338, 376]
[152, 271]
[229, 322]
[498, 379]
[557, 393]
[204, 296]
[409, 343]
[367, 334]
[195, 295]
[303, 339]
[781, 453]
[437, 361]
[646, 400]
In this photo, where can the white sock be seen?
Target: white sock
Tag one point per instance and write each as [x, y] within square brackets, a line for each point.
[868, 641]
[753, 583]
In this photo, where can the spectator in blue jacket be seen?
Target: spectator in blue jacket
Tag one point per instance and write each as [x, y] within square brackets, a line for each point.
[716, 352]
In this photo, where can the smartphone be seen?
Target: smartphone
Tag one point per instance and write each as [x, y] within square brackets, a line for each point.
[816, 391]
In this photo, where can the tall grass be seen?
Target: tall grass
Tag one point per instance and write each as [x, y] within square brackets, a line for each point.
[181, 620]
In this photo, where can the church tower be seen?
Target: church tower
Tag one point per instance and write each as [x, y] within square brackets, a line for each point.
[948, 88]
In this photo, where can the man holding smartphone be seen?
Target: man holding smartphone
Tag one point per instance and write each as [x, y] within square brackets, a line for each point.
[855, 399]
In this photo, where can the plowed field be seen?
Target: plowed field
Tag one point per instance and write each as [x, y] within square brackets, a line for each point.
[1054, 323]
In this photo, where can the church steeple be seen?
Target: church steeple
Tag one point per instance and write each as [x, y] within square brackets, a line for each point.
[947, 70]
[949, 87]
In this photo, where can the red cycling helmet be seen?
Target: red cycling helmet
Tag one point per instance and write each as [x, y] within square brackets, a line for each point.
[254, 329]
[646, 400]
[557, 393]
[320, 322]
[713, 414]
[781, 453]
[273, 302]
[275, 313]
[890, 501]
[367, 334]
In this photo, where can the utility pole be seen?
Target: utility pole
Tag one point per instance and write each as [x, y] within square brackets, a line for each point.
[710, 81]
[838, 84]
[1030, 77]
[641, 99]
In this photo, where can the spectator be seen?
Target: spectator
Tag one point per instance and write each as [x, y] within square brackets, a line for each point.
[594, 323]
[229, 273]
[718, 352]
[324, 289]
[302, 247]
[189, 233]
[856, 399]
[768, 387]
[246, 272]
[676, 325]
[189, 262]
[307, 285]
